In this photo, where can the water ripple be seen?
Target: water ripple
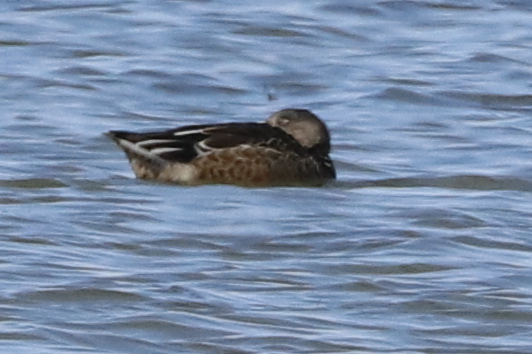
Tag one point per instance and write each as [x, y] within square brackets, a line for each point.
[422, 245]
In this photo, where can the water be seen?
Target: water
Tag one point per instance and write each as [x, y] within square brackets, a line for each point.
[423, 245]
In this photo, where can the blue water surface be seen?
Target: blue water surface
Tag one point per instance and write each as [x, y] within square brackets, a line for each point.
[422, 245]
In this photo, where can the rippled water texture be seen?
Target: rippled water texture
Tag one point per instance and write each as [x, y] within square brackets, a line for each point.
[423, 245]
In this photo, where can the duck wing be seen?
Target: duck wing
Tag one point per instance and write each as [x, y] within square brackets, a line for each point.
[186, 143]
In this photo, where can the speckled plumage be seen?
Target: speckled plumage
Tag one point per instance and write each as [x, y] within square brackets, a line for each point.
[290, 149]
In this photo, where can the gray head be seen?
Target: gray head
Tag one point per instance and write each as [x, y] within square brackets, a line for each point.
[303, 125]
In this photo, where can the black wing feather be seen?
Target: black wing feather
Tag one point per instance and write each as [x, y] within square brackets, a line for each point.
[183, 144]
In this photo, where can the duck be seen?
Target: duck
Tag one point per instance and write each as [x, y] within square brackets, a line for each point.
[291, 148]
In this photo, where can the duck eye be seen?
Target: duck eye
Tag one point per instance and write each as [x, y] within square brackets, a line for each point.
[283, 120]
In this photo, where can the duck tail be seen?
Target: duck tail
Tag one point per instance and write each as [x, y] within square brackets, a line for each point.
[145, 164]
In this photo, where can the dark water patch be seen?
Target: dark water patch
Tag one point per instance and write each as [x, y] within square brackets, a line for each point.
[82, 71]
[9, 200]
[93, 53]
[356, 287]
[157, 74]
[15, 43]
[44, 83]
[339, 33]
[203, 347]
[518, 75]
[298, 87]
[452, 6]
[351, 167]
[166, 330]
[409, 96]
[493, 244]
[126, 116]
[62, 295]
[494, 58]
[516, 4]
[32, 240]
[188, 241]
[33, 183]
[94, 339]
[280, 246]
[368, 9]
[58, 6]
[492, 101]
[271, 342]
[441, 219]
[402, 82]
[440, 7]
[428, 126]
[472, 182]
[386, 269]
[19, 336]
[269, 32]
[187, 89]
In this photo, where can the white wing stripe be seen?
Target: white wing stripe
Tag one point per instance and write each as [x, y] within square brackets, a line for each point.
[134, 148]
[188, 132]
[160, 151]
[202, 148]
[154, 142]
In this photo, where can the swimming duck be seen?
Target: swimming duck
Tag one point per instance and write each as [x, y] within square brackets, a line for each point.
[290, 149]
